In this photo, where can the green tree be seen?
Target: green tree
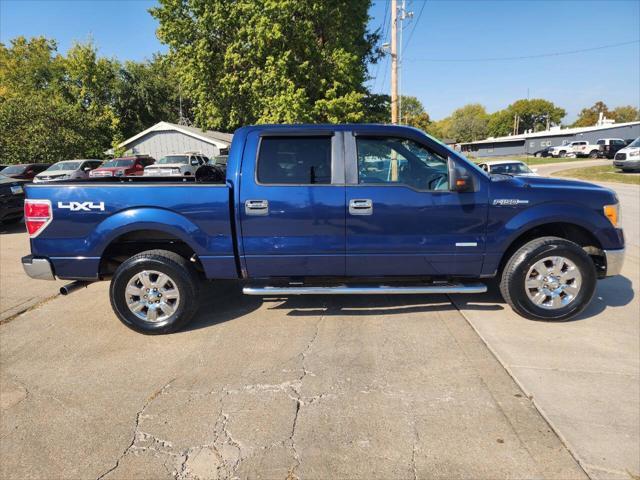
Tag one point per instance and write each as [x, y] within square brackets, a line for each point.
[468, 123]
[145, 93]
[30, 65]
[413, 113]
[269, 60]
[54, 107]
[626, 113]
[41, 127]
[500, 123]
[440, 129]
[377, 108]
[589, 116]
[533, 114]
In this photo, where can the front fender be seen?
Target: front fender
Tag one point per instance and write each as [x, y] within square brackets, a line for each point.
[505, 225]
[146, 218]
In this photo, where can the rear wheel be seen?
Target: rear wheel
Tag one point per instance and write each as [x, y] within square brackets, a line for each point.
[593, 154]
[155, 292]
[549, 278]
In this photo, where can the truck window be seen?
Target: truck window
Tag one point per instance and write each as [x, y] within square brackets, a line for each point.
[294, 160]
[400, 161]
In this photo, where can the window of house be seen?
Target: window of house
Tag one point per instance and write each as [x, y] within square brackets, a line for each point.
[400, 161]
[295, 160]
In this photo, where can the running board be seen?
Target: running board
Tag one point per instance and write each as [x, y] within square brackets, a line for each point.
[366, 290]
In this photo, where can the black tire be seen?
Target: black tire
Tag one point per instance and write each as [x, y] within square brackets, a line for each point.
[183, 276]
[562, 154]
[512, 283]
[593, 154]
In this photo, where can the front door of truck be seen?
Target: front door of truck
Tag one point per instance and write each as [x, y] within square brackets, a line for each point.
[292, 201]
[402, 218]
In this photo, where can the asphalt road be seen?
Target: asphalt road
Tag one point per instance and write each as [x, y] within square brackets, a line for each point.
[320, 387]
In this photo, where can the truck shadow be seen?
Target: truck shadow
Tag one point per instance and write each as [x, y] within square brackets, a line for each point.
[224, 301]
[610, 292]
[365, 305]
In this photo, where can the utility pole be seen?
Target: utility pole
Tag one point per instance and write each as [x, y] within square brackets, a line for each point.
[394, 61]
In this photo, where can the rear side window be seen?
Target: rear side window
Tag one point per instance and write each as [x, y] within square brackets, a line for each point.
[295, 160]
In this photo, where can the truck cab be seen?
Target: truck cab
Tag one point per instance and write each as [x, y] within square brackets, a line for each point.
[331, 209]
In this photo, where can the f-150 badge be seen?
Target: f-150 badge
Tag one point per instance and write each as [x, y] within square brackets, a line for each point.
[81, 206]
[509, 202]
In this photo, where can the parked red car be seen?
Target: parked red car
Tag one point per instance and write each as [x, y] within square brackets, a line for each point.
[25, 171]
[123, 167]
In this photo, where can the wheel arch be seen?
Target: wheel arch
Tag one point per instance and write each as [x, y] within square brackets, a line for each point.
[133, 231]
[571, 231]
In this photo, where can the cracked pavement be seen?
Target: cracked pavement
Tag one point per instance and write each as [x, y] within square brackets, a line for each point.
[313, 387]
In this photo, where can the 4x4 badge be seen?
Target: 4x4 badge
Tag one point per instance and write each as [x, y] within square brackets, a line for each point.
[81, 206]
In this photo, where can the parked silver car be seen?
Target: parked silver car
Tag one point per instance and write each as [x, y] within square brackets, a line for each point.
[68, 170]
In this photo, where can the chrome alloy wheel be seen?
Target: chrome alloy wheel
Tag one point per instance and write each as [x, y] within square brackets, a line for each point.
[152, 296]
[553, 282]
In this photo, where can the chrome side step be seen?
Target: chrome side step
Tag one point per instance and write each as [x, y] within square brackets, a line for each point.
[366, 290]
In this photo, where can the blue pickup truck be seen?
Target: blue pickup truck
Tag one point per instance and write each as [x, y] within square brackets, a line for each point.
[327, 209]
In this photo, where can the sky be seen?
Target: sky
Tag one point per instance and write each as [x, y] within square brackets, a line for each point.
[454, 52]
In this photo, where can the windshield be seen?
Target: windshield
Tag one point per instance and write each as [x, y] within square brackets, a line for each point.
[117, 162]
[173, 159]
[14, 169]
[64, 166]
[510, 168]
[634, 144]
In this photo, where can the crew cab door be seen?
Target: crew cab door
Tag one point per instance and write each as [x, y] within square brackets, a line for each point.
[402, 217]
[292, 201]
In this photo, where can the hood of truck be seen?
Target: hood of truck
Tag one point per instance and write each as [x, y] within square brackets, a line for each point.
[544, 189]
[165, 165]
[53, 174]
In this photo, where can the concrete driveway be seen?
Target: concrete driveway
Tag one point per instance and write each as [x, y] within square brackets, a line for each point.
[362, 387]
[19, 293]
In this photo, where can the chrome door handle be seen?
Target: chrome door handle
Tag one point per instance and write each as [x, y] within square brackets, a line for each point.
[360, 206]
[256, 207]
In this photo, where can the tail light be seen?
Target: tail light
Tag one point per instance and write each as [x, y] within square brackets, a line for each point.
[37, 215]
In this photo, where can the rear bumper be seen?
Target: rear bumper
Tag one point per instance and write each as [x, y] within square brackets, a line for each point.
[38, 268]
[615, 260]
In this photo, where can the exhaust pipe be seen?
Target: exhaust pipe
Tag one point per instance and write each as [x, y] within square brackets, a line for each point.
[73, 286]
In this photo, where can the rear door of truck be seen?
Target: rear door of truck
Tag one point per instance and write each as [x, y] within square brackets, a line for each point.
[292, 203]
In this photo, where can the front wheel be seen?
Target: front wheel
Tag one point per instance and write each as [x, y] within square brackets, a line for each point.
[549, 278]
[155, 292]
[593, 154]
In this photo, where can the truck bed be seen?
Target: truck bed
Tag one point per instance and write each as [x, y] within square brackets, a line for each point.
[91, 216]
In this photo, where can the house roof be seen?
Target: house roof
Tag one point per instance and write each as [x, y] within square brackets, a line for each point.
[554, 132]
[209, 136]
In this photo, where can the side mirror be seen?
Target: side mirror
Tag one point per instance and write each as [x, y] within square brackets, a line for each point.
[460, 180]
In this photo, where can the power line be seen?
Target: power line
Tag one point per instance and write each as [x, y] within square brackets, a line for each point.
[383, 35]
[524, 57]
[415, 25]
